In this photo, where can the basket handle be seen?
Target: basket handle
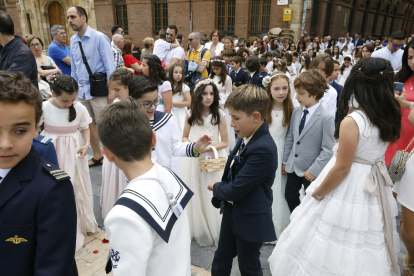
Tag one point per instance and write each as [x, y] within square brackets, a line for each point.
[208, 156]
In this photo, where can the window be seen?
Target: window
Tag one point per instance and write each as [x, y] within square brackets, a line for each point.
[29, 23]
[226, 10]
[2, 6]
[121, 15]
[259, 17]
[160, 15]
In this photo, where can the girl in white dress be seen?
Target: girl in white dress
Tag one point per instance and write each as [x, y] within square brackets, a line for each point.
[345, 70]
[346, 224]
[113, 179]
[278, 118]
[336, 55]
[205, 117]
[181, 94]
[62, 116]
[223, 82]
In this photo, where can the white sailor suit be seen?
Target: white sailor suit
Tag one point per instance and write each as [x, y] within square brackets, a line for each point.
[146, 237]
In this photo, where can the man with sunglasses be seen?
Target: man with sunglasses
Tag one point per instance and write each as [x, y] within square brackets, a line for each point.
[174, 55]
[393, 51]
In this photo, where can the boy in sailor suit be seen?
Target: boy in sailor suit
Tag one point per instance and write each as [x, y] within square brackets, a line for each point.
[169, 138]
[148, 226]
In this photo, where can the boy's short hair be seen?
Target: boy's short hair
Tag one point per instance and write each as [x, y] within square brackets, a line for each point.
[229, 53]
[249, 98]
[268, 54]
[263, 61]
[327, 59]
[236, 59]
[162, 34]
[139, 85]
[295, 54]
[312, 81]
[15, 87]
[253, 64]
[119, 126]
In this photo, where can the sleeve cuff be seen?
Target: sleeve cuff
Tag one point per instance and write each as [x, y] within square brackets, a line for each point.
[190, 150]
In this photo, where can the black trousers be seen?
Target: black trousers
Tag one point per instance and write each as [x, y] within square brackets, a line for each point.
[293, 186]
[231, 246]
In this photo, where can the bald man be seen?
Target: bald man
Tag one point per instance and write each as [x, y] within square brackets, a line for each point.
[118, 43]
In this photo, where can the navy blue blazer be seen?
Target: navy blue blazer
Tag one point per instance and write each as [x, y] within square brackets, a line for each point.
[251, 187]
[37, 220]
[256, 79]
[360, 42]
[338, 89]
[45, 148]
[240, 78]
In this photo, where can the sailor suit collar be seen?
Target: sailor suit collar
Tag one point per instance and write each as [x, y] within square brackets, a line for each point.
[160, 119]
[142, 195]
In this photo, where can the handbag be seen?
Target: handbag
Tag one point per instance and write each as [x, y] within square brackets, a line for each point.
[212, 164]
[97, 80]
[397, 165]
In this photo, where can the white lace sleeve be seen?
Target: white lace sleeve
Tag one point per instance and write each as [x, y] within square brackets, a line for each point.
[85, 119]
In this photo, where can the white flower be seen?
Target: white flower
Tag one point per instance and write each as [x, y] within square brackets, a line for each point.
[266, 81]
[335, 149]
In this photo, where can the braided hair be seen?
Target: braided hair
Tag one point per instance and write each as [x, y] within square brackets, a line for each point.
[371, 83]
[64, 83]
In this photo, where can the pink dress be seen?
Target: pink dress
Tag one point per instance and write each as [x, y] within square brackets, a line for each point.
[67, 140]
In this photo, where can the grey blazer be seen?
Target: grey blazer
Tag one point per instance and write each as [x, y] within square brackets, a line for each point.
[312, 149]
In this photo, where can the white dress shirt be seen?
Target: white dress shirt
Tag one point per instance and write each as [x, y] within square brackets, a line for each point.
[311, 110]
[395, 58]
[3, 174]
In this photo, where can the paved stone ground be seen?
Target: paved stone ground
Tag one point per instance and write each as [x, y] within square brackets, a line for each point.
[201, 257]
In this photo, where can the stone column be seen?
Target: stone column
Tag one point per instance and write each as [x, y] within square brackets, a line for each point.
[297, 14]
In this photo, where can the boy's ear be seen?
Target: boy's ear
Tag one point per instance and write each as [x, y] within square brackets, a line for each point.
[154, 139]
[109, 155]
[36, 134]
[257, 117]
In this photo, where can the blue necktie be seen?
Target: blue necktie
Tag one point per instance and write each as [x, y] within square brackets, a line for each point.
[303, 120]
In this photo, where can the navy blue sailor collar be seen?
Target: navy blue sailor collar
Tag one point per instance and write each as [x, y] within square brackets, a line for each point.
[160, 119]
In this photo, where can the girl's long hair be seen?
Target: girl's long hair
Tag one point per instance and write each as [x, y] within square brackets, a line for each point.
[67, 84]
[197, 107]
[282, 67]
[337, 54]
[219, 62]
[371, 83]
[343, 64]
[179, 87]
[287, 103]
[156, 71]
[405, 72]
[306, 58]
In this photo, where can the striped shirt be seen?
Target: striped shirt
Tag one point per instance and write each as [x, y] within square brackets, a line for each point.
[119, 61]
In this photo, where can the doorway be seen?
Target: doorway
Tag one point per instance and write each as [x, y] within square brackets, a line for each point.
[57, 16]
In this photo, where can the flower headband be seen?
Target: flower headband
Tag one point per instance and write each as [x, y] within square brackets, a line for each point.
[205, 81]
[268, 79]
[217, 60]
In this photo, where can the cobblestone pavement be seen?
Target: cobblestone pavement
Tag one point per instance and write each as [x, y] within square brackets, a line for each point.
[201, 257]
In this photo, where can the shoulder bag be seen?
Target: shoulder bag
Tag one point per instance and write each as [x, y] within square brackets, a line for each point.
[397, 165]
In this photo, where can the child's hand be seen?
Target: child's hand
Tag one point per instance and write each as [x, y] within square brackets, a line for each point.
[211, 185]
[234, 87]
[310, 177]
[203, 142]
[283, 169]
[82, 151]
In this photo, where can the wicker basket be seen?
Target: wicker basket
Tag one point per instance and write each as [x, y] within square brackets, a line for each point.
[212, 165]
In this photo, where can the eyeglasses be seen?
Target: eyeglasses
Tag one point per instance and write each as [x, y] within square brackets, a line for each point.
[61, 33]
[149, 105]
[168, 34]
[190, 39]
[35, 45]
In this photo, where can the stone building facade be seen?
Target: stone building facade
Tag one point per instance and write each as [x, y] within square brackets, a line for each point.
[245, 18]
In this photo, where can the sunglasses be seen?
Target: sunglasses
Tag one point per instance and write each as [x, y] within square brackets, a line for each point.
[35, 45]
[190, 39]
[397, 46]
[168, 34]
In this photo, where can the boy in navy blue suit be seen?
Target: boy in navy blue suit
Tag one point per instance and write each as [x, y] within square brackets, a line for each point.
[253, 68]
[238, 75]
[244, 194]
[37, 202]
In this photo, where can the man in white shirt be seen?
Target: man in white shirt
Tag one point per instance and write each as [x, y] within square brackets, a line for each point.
[393, 51]
[175, 55]
[349, 44]
[118, 43]
[341, 43]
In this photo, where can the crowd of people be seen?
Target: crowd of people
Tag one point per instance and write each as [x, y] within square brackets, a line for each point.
[296, 139]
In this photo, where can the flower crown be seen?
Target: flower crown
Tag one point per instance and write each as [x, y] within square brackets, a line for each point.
[205, 81]
[217, 60]
[268, 79]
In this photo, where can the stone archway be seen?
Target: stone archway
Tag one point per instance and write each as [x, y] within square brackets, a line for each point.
[57, 16]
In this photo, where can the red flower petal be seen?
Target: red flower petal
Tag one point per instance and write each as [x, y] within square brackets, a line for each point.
[95, 252]
[105, 241]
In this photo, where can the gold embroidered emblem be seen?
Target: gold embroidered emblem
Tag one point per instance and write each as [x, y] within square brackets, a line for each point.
[59, 174]
[16, 240]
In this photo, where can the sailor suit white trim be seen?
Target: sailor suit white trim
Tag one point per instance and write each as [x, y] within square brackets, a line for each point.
[146, 237]
[169, 140]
